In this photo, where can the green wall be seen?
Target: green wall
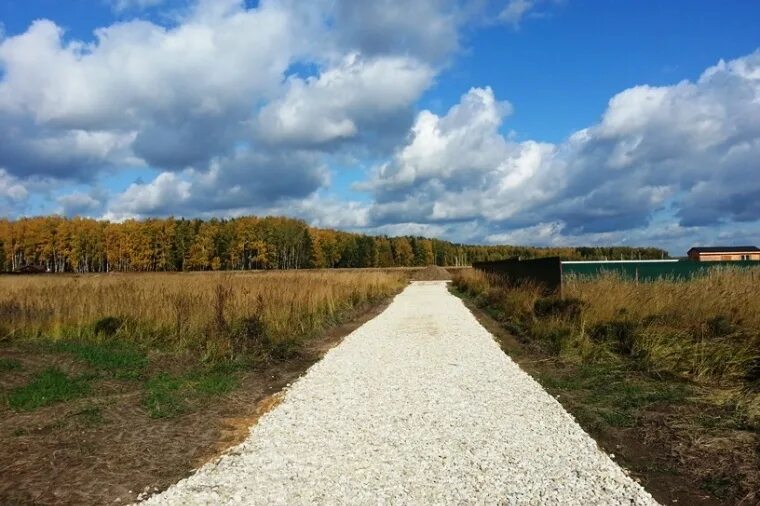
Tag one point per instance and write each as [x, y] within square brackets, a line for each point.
[648, 271]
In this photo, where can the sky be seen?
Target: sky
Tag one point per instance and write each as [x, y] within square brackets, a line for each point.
[539, 122]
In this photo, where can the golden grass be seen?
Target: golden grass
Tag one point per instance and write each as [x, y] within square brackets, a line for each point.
[210, 313]
[727, 293]
[706, 330]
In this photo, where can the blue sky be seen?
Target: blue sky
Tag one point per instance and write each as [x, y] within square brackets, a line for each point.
[559, 70]
[547, 122]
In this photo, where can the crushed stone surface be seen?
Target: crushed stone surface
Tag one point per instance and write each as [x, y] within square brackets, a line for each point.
[417, 406]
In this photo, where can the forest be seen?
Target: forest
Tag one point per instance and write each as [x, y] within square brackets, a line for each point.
[59, 244]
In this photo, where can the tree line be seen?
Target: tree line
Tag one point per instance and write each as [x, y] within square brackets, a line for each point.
[59, 244]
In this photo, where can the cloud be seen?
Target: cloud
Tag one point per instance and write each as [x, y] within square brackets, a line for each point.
[692, 143]
[166, 192]
[423, 29]
[12, 191]
[28, 150]
[459, 167]
[16, 193]
[82, 204]
[687, 150]
[326, 212]
[178, 93]
[461, 144]
[218, 84]
[357, 98]
[178, 96]
[247, 181]
[124, 5]
[514, 11]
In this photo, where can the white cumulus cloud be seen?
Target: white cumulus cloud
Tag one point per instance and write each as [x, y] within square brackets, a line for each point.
[687, 150]
[124, 5]
[353, 98]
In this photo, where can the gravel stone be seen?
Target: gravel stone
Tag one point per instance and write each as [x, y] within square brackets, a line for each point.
[417, 406]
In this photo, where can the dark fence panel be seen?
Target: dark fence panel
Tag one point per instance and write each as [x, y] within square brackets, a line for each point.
[543, 271]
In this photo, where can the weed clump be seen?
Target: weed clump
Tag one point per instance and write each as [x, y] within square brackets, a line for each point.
[249, 333]
[558, 307]
[752, 375]
[620, 334]
[719, 326]
[107, 326]
[554, 337]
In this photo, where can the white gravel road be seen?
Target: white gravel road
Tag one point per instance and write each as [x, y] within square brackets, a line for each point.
[417, 406]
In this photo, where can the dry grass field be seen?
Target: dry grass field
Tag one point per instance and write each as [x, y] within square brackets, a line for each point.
[110, 383]
[666, 373]
[217, 316]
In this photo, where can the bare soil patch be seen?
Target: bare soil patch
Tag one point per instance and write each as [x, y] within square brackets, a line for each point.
[104, 448]
[431, 273]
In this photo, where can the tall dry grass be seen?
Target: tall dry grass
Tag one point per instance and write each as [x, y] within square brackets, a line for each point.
[706, 330]
[214, 314]
[722, 293]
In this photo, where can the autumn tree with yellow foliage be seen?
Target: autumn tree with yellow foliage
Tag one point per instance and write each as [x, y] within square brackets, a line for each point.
[59, 244]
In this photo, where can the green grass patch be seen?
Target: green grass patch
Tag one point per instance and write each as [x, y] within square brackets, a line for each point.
[585, 377]
[216, 384]
[217, 381]
[122, 360]
[587, 417]
[48, 387]
[171, 395]
[165, 396]
[607, 396]
[9, 364]
[616, 418]
[635, 393]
